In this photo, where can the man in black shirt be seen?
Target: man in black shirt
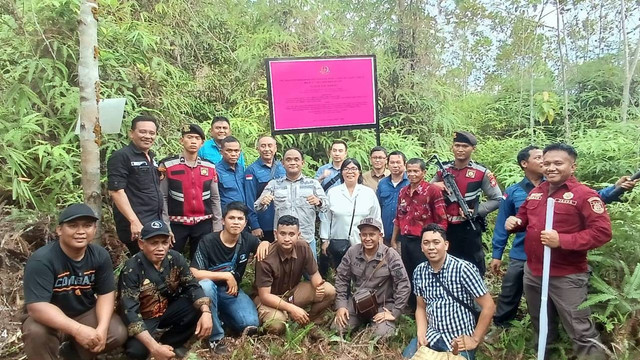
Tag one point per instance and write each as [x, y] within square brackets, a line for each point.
[134, 183]
[219, 264]
[157, 291]
[69, 293]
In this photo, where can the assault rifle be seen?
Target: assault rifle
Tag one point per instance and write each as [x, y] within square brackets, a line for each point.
[619, 190]
[454, 194]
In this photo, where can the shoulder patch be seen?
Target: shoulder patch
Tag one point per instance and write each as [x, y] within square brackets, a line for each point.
[248, 177]
[596, 204]
[478, 166]
[492, 179]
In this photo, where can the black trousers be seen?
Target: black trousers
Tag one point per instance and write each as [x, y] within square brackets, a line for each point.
[332, 259]
[124, 235]
[466, 243]
[510, 294]
[180, 320]
[190, 233]
[412, 256]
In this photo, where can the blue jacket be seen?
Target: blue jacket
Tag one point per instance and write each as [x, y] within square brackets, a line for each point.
[211, 152]
[230, 184]
[605, 194]
[334, 172]
[514, 196]
[388, 198]
[256, 178]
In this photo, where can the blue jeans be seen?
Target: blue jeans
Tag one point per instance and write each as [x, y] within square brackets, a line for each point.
[236, 312]
[438, 345]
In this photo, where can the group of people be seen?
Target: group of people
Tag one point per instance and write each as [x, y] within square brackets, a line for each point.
[396, 242]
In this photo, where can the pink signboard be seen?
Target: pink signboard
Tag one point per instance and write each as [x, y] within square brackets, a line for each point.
[322, 94]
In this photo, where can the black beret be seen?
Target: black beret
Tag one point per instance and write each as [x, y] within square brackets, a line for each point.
[192, 129]
[465, 137]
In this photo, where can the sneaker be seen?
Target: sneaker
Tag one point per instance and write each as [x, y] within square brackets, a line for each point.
[218, 347]
[67, 351]
[250, 331]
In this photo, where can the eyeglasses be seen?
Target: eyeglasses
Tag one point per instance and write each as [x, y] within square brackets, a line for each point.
[350, 169]
[379, 158]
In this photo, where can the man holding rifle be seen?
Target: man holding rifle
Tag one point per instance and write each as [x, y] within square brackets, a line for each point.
[472, 179]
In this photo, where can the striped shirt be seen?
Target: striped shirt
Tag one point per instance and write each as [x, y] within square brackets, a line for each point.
[446, 318]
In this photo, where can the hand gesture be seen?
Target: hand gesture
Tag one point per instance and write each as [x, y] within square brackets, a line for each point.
[313, 200]
[382, 316]
[162, 352]
[495, 266]
[266, 199]
[466, 343]
[232, 285]
[299, 315]
[262, 251]
[512, 222]
[204, 326]
[87, 337]
[342, 317]
[550, 238]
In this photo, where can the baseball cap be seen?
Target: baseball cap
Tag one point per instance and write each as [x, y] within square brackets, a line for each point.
[153, 228]
[75, 211]
[369, 221]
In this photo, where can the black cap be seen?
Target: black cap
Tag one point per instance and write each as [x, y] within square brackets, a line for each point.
[75, 211]
[153, 228]
[465, 137]
[192, 129]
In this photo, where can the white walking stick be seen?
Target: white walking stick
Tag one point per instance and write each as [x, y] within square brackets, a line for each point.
[544, 321]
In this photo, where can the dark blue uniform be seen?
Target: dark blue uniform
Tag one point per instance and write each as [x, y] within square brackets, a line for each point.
[257, 176]
[230, 184]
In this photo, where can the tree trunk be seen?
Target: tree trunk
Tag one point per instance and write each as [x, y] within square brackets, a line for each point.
[567, 125]
[629, 66]
[89, 85]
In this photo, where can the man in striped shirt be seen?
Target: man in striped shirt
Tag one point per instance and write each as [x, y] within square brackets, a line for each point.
[446, 288]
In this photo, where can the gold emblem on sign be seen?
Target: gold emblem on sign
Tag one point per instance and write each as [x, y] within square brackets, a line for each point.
[471, 173]
[568, 196]
[186, 128]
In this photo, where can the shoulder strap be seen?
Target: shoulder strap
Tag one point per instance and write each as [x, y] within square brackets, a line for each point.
[153, 276]
[353, 214]
[234, 260]
[333, 180]
[455, 298]
[382, 262]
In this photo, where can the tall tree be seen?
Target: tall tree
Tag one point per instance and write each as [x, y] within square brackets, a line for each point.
[629, 64]
[561, 36]
[89, 85]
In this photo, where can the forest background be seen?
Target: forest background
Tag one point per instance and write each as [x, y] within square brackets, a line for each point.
[514, 72]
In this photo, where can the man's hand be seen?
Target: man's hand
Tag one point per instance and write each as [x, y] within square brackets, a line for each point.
[262, 251]
[266, 199]
[512, 222]
[324, 246]
[422, 340]
[550, 238]
[87, 337]
[299, 315]
[394, 245]
[462, 213]
[162, 352]
[232, 284]
[102, 336]
[172, 238]
[625, 183]
[325, 175]
[136, 229]
[382, 316]
[342, 317]
[466, 343]
[441, 186]
[257, 233]
[495, 266]
[313, 200]
[204, 326]
[320, 292]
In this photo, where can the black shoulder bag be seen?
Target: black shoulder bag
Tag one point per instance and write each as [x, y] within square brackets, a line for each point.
[338, 247]
[471, 309]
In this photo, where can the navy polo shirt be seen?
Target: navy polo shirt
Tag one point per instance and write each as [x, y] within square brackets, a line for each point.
[256, 177]
[230, 184]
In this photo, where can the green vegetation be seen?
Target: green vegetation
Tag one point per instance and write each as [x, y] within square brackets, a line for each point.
[491, 67]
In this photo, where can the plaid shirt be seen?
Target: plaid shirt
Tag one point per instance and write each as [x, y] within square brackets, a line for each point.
[446, 318]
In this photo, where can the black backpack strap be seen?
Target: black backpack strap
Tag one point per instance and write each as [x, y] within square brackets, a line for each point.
[471, 309]
[333, 180]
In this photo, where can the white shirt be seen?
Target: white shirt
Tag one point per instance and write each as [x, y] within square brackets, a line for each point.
[335, 225]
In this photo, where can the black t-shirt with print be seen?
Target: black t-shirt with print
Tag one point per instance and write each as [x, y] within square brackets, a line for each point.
[51, 276]
[212, 252]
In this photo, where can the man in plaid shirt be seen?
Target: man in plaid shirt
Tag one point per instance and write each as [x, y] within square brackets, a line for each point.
[446, 288]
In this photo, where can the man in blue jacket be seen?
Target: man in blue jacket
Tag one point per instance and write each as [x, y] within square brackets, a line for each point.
[388, 190]
[256, 178]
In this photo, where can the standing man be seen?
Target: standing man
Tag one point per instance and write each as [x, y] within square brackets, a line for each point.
[388, 191]
[159, 294]
[257, 176]
[371, 267]
[419, 204]
[297, 195]
[219, 265]
[329, 174]
[580, 223]
[281, 293]
[378, 158]
[447, 288]
[472, 179]
[190, 188]
[212, 148]
[530, 161]
[69, 293]
[134, 183]
[230, 173]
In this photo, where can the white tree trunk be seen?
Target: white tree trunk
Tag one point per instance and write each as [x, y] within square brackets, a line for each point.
[89, 85]
[567, 124]
[629, 67]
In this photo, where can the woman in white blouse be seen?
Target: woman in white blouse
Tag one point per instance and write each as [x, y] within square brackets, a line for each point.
[349, 203]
